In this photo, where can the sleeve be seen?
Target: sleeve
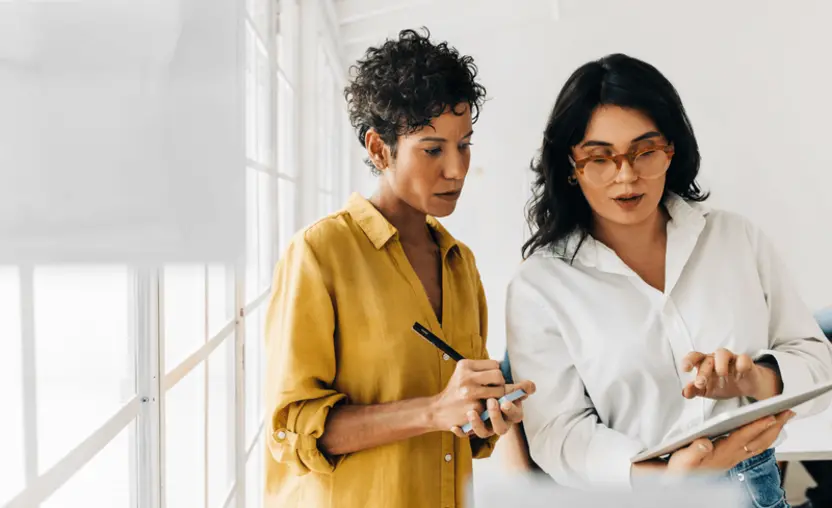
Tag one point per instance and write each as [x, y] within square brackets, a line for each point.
[796, 342]
[566, 438]
[482, 448]
[300, 356]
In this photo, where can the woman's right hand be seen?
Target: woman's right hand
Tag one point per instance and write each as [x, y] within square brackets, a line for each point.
[744, 443]
[472, 383]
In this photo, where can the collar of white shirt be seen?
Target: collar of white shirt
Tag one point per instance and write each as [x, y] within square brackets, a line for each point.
[687, 221]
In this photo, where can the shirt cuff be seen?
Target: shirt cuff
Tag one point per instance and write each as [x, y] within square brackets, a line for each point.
[483, 448]
[795, 375]
[608, 459]
[296, 445]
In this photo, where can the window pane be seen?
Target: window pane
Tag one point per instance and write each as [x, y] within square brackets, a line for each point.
[285, 212]
[184, 312]
[264, 107]
[104, 482]
[253, 359]
[11, 379]
[221, 422]
[326, 87]
[251, 97]
[220, 297]
[185, 440]
[255, 481]
[81, 315]
[285, 128]
[287, 41]
[251, 234]
[266, 225]
[259, 12]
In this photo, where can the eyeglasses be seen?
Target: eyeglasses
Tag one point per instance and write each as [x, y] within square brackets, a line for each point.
[649, 162]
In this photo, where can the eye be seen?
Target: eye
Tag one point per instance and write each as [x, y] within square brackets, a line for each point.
[433, 152]
[465, 146]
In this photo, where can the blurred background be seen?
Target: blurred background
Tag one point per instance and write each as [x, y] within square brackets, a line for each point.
[128, 382]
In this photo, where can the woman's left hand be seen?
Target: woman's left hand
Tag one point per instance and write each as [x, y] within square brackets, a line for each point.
[725, 375]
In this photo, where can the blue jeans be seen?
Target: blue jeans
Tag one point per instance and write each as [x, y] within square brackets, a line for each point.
[760, 477]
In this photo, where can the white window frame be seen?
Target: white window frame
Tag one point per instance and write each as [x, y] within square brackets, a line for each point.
[146, 409]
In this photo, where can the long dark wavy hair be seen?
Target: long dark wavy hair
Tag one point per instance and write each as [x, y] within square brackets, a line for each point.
[557, 208]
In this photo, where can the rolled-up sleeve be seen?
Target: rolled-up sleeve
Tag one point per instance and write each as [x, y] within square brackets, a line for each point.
[796, 341]
[565, 435]
[300, 356]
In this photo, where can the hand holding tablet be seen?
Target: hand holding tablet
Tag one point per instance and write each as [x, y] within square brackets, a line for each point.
[732, 422]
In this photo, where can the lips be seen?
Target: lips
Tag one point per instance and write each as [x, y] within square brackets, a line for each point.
[450, 195]
[628, 197]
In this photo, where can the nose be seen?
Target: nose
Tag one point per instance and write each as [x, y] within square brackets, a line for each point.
[457, 167]
[626, 174]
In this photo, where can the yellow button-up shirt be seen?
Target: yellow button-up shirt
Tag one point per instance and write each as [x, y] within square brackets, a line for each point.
[339, 330]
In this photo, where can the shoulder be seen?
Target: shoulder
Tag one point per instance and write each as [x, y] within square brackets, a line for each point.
[727, 220]
[732, 225]
[333, 228]
[315, 243]
[539, 274]
[320, 236]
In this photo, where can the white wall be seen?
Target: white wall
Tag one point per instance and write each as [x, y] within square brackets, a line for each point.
[753, 75]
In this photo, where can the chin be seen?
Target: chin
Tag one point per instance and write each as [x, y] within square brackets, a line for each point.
[441, 208]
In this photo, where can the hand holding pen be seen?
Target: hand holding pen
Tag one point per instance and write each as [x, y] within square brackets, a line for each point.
[474, 386]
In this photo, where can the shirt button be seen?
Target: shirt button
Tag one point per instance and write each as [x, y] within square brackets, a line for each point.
[448, 457]
[446, 357]
[741, 477]
[281, 435]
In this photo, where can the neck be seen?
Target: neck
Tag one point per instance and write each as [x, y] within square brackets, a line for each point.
[632, 238]
[410, 223]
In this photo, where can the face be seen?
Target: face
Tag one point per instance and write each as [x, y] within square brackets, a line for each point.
[630, 197]
[430, 166]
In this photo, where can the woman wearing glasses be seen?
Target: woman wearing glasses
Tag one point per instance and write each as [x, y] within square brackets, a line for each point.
[638, 311]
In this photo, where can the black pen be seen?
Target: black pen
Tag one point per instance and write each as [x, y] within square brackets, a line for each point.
[436, 341]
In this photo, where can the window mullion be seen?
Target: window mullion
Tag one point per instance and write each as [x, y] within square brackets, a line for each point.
[149, 426]
[30, 411]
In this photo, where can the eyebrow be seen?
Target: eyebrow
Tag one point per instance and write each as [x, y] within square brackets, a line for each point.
[646, 135]
[443, 140]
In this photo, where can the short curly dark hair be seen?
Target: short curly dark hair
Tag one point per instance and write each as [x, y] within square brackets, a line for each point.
[402, 85]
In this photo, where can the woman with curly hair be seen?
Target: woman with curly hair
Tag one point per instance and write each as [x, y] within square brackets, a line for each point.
[363, 412]
[640, 312]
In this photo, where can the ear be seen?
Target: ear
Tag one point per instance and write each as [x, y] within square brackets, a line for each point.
[377, 150]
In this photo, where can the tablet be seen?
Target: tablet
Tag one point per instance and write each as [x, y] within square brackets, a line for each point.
[724, 423]
[510, 397]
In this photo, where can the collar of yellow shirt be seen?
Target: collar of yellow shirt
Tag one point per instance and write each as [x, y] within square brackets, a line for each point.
[379, 230]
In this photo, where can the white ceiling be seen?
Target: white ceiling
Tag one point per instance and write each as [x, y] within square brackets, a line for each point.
[366, 22]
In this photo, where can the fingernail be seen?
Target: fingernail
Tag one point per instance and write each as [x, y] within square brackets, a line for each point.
[686, 366]
[771, 422]
[703, 447]
[791, 415]
[492, 404]
[472, 415]
[700, 382]
[507, 406]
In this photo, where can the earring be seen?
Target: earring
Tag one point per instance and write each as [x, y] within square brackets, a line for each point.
[572, 180]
